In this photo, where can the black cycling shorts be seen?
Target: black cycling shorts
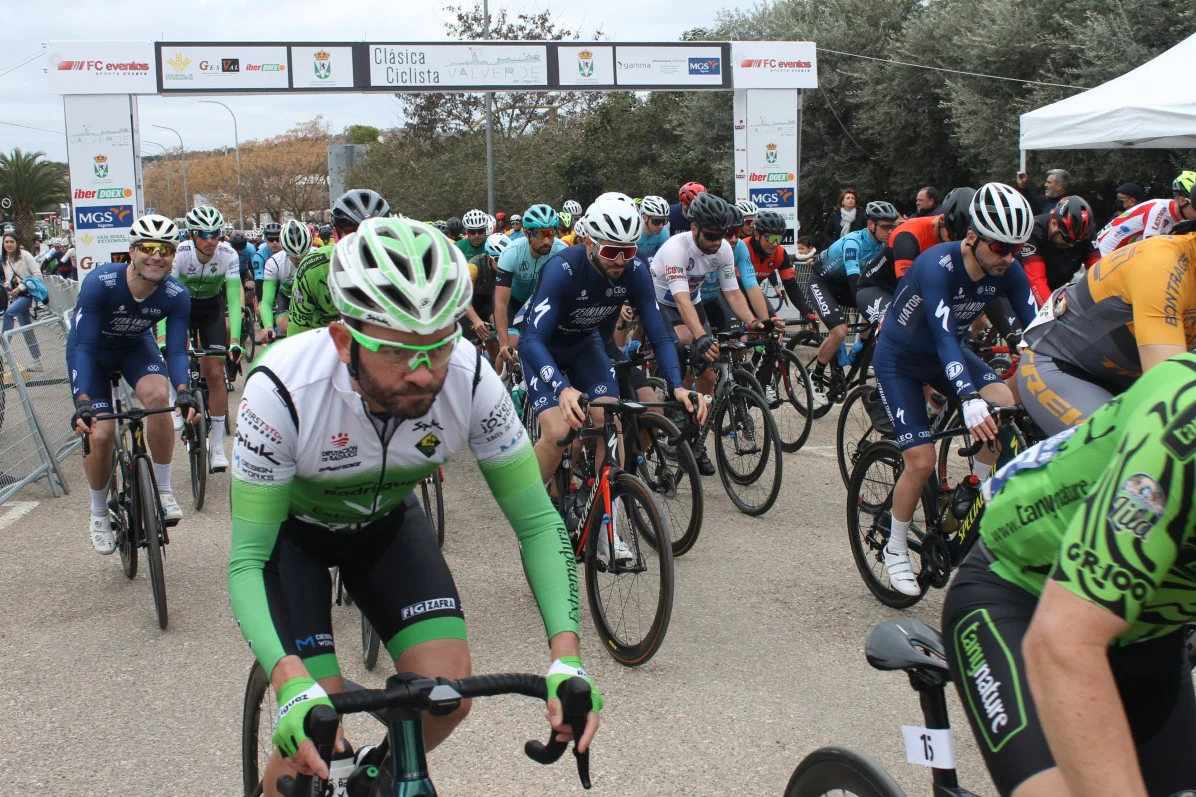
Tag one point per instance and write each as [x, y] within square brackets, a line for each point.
[672, 318]
[829, 297]
[394, 570]
[872, 302]
[985, 619]
[208, 318]
[635, 374]
[720, 316]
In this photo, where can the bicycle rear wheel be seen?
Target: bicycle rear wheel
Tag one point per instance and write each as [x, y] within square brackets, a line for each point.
[631, 602]
[150, 513]
[747, 447]
[841, 771]
[196, 436]
[369, 643]
[248, 336]
[257, 715]
[671, 473]
[794, 408]
[431, 496]
[855, 430]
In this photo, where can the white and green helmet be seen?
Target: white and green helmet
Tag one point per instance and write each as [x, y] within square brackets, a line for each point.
[401, 274]
[205, 218]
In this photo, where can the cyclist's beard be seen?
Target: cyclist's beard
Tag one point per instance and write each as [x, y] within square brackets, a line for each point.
[404, 400]
[606, 271]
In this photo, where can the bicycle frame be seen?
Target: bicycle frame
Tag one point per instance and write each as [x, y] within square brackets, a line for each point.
[931, 689]
[605, 475]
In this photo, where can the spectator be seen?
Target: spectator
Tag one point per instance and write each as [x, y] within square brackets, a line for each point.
[927, 202]
[843, 218]
[19, 266]
[1055, 188]
[1128, 195]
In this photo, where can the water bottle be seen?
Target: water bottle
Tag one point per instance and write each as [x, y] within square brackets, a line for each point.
[631, 348]
[935, 404]
[365, 772]
[856, 348]
[967, 492]
[519, 397]
[965, 495]
[339, 769]
[841, 356]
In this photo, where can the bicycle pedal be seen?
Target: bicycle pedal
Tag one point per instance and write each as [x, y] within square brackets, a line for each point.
[168, 523]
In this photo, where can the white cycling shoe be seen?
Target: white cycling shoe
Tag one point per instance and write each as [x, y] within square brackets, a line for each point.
[901, 573]
[770, 394]
[623, 554]
[170, 508]
[217, 459]
[178, 421]
[100, 532]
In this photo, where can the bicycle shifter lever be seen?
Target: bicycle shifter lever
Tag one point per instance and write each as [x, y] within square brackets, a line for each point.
[576, 703]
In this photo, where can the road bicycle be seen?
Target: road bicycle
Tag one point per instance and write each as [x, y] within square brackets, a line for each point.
[195, 436]
[792, 399]
[134, 507]
[839, 382]
[601, 503]
[398, 766]
[950, 520]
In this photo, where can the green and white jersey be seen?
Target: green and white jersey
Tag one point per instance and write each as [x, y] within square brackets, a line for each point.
[311, 301]
[1108, 509]
[206, 280]
[280, 269]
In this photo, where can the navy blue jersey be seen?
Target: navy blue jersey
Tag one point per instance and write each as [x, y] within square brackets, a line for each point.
[678, 221]
[572, 302]
[935, 303]
[107, 317]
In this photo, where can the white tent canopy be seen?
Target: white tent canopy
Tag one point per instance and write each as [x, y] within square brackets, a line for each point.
[1153, 106]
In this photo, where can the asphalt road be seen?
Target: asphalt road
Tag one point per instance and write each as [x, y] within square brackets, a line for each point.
[763, 662]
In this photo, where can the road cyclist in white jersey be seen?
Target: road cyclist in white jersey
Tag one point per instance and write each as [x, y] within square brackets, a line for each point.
[296, 241]
[210, 269]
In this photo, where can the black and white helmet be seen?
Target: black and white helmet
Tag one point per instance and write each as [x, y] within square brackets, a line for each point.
[747, 207]
[654, 207]
[881, 211]
[475, 220]
[572, 206]
[356, 205]
[296, 239]
[151, 227]
[205, 218]
[1000, 213]
[615, 221]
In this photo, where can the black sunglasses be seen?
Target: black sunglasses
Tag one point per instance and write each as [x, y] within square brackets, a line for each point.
[711, 236]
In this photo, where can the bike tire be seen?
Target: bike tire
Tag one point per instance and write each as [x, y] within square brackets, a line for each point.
[671, 473]
[738, 401]
[124, 523]
[197, 451]
[432, 499]
[952, 468]
[152, 527]
[840, 770]
[794, 410]
[867, 520]
[645, 530]
[369, 644]
[248, 338]
[3, 402]
[854, 430]
[254, 754]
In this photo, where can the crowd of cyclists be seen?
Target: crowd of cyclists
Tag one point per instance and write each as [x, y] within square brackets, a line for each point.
[387, 337]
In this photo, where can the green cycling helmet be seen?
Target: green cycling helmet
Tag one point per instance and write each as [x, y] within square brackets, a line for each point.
[1184, 183]
[566, 219]
[539, 217]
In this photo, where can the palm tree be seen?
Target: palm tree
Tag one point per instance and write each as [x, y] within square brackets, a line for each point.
[32, 184]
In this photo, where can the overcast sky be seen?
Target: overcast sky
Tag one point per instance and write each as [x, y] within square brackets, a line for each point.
[25, 100]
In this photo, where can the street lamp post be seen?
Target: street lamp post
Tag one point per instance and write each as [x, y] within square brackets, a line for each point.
[489, 123]
[183, 150]
[237, 144]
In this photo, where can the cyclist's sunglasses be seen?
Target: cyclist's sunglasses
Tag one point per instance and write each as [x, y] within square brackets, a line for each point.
[434, 355]
[1001, 248]
[272, 239]
[655, 221]
[707, 235]
[614, 251]
[207, 235]
[478, 231]
[772, 238]
[541, 232]
[156, 248]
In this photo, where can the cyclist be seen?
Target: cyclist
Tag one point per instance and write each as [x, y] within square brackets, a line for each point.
[580, 292]
[311, 304]
[515, 231]
[280, 276]
[269, 245]
[718, 312]
[572, 207]
[334, 430]
[208, 268]
[112, 330]
[483, 271]
[679, 213]
[564, 231]
[500, 222]
[518, 268]
[245, 252]
[1145, 220]
[324, 235]
[1133, 310]
[945, 289]
[1065, 624]
[1060, 246]
[455, 229]
[655, 212]
[474, 225]
[1183, 184]
[768, 257]
[833, 283]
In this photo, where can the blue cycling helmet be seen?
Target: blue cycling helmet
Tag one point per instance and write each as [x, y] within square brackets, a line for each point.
[540, 217]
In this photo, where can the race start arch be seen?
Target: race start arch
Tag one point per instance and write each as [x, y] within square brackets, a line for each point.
[100, 82]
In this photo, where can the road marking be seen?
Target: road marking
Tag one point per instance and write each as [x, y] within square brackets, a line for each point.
[16, 511]
[822, 451]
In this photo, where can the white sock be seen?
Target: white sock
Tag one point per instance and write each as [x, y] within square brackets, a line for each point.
[981, 470]
[99, 502]
[897, 537]
[218, 430]
[162, 476]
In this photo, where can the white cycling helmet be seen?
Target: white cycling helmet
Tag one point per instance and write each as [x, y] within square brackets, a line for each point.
[475, 220]
[205, 218]
[614, 195]
[572, 206]
[296, 239]
[614, 220]
[496, 243]
[1000, 213]
[747, 207]
[579, 229]
[150, 227]
[402, 274]
[654, 206]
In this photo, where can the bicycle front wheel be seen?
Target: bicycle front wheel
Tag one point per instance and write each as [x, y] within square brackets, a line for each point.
[152, 527]
[793, 409]
[841, 771]
[747, 446]
[431, 496]
[124, 522]
[671, 473]
[257, 718]
[369, 643]
[197, 451]
[248, 336]
[629, 582]
[855, 430]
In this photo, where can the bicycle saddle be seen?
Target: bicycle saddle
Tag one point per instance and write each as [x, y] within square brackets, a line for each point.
[905, 644]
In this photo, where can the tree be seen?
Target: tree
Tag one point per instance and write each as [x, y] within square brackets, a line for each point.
[32, 184]
[363, 134]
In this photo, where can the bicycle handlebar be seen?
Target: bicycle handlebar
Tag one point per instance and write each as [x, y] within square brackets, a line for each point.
[135, 413]
[1001, 415]
[618, 405]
